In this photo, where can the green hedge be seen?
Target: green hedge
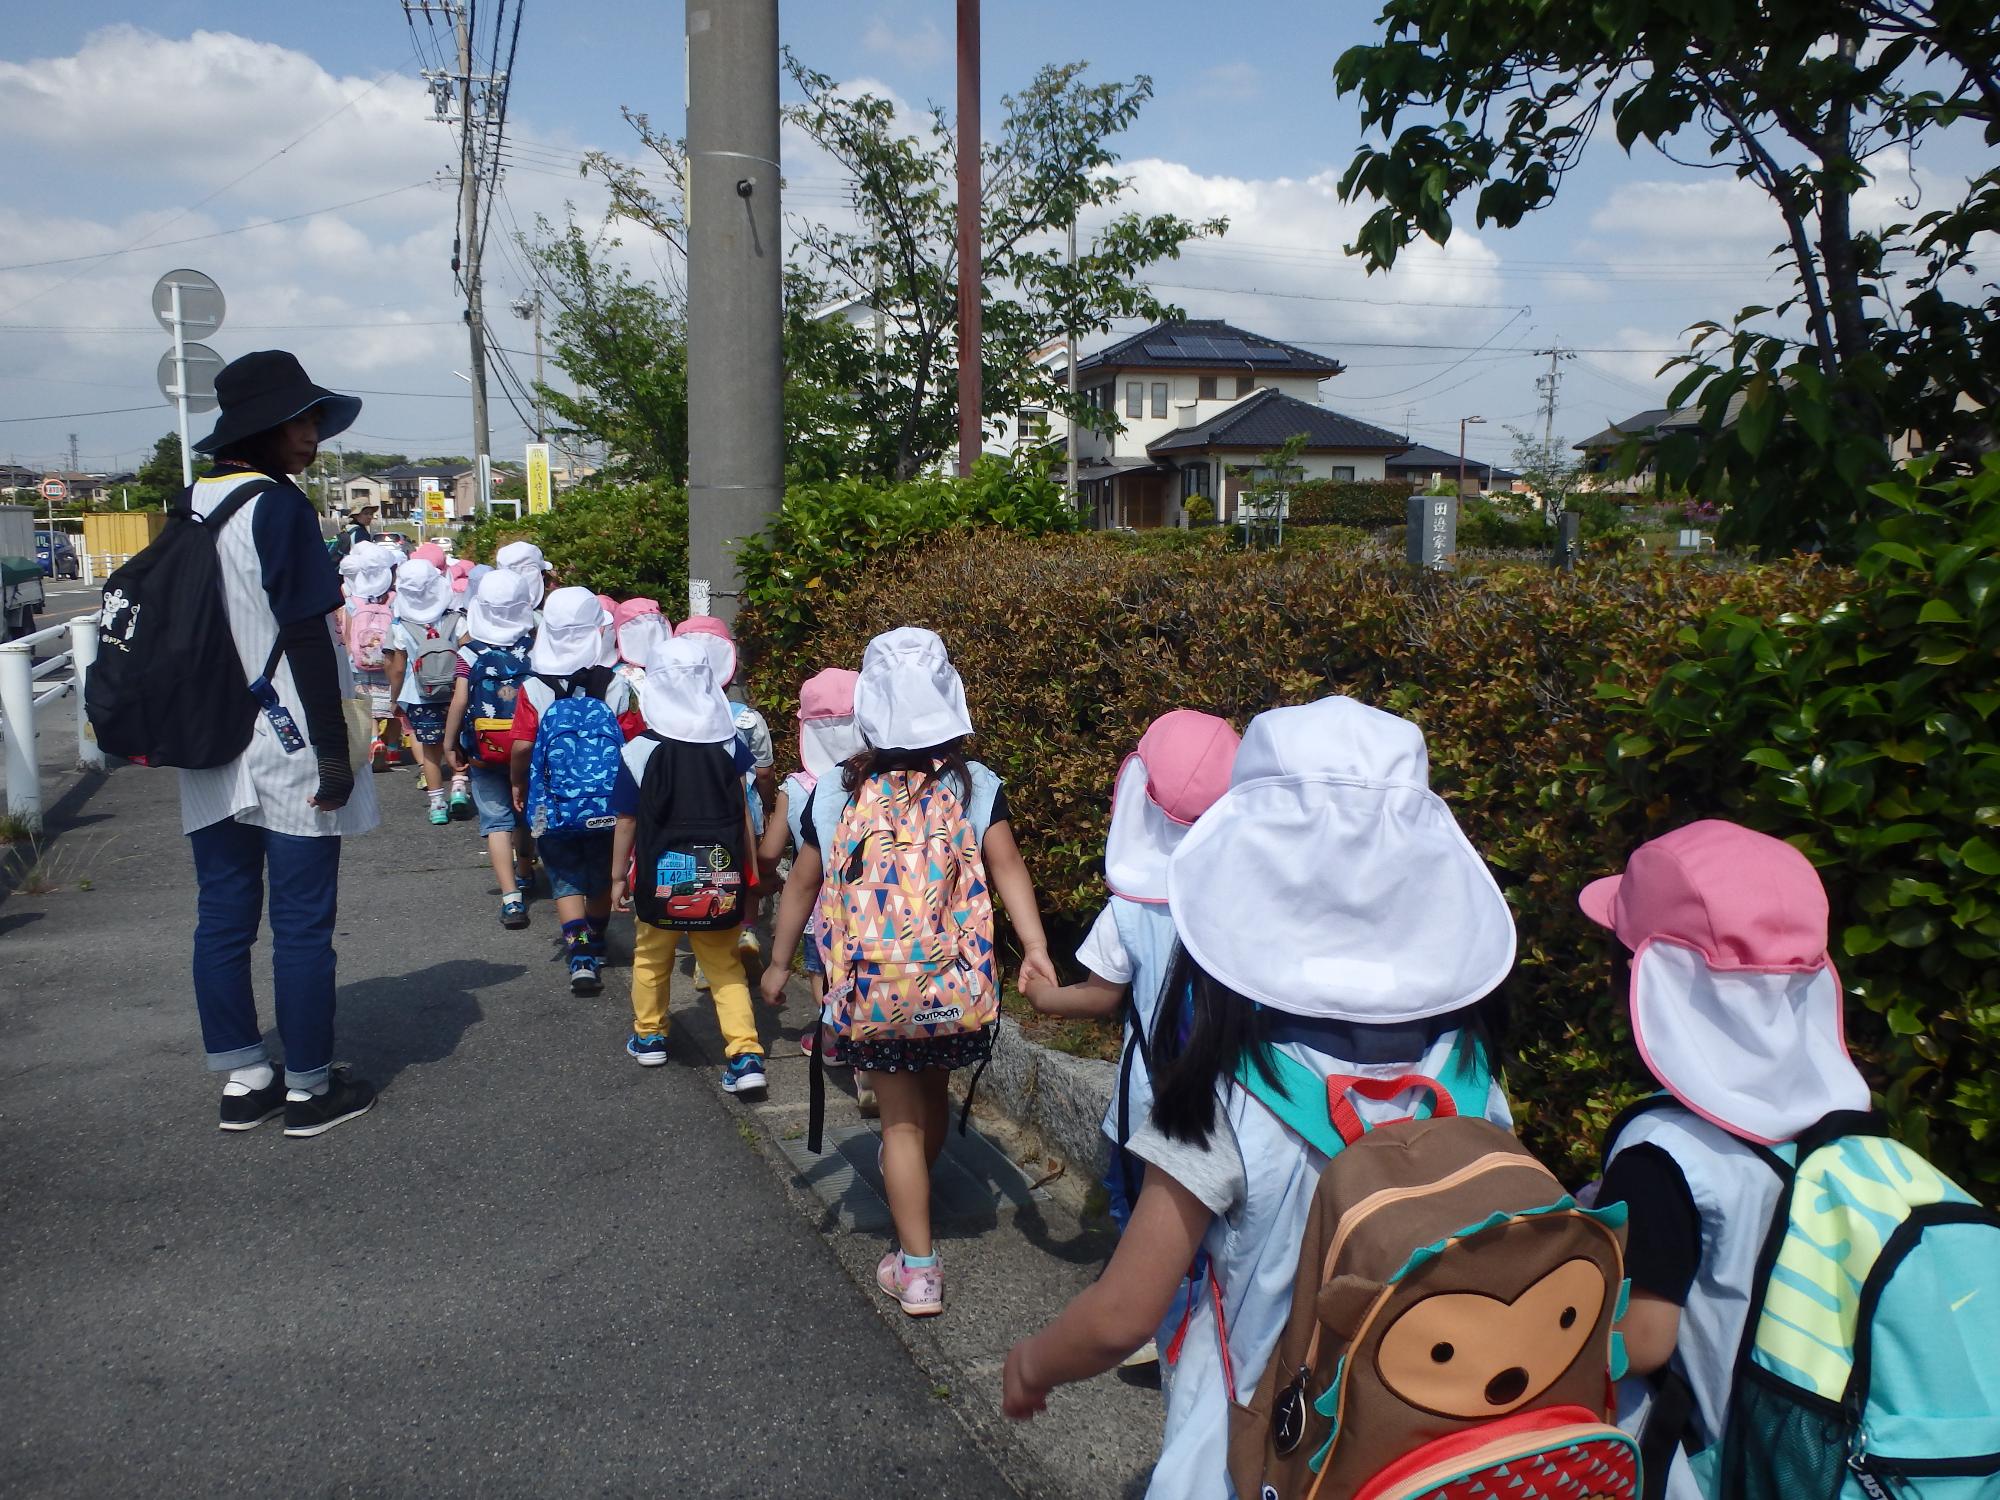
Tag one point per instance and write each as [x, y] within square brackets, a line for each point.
[1370, 504]
[1865, 735]
[622, 540]
[1071, 645]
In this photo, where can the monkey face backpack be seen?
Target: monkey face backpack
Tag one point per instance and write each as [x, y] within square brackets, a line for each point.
[1450, 1336]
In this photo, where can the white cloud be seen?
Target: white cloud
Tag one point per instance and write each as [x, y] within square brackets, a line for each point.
[920, 46]
[1230, 81]
[364, 294]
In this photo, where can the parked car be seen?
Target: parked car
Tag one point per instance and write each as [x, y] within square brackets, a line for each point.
[57, 555]
[397, 540]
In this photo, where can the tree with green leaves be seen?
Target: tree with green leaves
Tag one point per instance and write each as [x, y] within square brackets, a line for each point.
[1049, 166]
[623, 344]
[1268, 496]
[1885, 333]
[158, 480]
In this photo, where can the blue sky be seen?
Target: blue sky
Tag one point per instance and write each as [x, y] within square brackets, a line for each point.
[112, 133]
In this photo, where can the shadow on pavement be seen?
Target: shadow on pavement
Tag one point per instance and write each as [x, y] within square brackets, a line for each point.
[391, 1023]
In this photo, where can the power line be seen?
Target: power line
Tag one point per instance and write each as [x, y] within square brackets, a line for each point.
[140, 243]
[194, 239]
[63, 416]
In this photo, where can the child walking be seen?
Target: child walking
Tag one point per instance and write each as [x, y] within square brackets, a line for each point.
[422, 664]
[827, 740]
[760, 784]
[566, 759]
[1179, 770]
[684, 859]
[1776, 1233]
[910, 823]
[1331, 917]
[479, 726]
[369, 570]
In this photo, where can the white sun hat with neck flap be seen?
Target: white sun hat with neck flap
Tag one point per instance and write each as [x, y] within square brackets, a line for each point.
[526, 559]
[421, 592]
[680, 698]
[1330, 834]
[572, 633]
[909, 696]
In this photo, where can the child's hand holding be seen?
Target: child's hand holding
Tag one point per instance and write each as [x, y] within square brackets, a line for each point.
[1021, 1398]
[621, 895]
[772, 985]
[1037, 969]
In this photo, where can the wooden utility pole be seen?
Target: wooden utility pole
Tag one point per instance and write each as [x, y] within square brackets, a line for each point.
[970, 277]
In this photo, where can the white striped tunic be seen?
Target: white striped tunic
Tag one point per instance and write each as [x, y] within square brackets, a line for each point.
[264, 785]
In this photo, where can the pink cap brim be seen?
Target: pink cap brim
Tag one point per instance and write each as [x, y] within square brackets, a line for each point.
[1598, 900]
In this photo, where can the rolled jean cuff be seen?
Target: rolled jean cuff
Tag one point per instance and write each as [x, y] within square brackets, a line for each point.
[315, 1079]
[242, 1057]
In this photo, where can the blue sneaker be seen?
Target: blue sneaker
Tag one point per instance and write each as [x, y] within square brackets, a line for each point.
[647, 1051]
[583, 975]
[744, 1075]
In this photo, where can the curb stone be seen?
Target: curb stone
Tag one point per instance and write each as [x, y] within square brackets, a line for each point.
[1055, 1098]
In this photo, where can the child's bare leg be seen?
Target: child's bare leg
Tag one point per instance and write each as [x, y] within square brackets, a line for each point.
[500, 852]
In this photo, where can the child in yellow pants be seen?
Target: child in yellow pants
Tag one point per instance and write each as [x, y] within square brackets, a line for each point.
[683, 827]
[652, 967]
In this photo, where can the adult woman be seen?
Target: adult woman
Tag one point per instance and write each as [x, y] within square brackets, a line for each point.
[277, 813]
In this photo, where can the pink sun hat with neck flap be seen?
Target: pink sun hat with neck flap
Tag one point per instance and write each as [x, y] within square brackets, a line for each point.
[1736, 1007]
[1181, 767]
[828, 735]
[717, 641]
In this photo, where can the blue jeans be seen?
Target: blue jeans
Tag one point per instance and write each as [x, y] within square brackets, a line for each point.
[231, 860]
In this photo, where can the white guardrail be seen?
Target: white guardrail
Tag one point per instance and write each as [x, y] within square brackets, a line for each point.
[22, 699]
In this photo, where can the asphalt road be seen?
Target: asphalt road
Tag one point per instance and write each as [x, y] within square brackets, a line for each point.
[535, 1269]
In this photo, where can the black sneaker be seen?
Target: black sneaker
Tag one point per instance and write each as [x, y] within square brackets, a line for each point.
[345, 1098]
[514, 914]
[248, 1111]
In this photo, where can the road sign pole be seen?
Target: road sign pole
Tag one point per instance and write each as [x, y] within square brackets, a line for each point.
[180, 389]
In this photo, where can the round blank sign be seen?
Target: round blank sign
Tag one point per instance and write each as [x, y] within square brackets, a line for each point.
[201, 303]
[202, 363]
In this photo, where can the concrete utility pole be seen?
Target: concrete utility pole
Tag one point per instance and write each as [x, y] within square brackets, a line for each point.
[475, 315]
[970, 281]
[735, 252]
[479, 96]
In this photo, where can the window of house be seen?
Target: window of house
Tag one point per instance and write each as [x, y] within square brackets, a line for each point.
[1343, 471]
[1194, 481]
[1034, 423]
[1135, 398]
[1159, 398]
[1245, 384]
[1207, 388]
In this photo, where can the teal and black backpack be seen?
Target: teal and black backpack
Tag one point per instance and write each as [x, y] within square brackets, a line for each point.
[1870, 1363]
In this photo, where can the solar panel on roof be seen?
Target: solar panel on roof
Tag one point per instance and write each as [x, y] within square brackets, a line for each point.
[1230, 348]
[1162, 351]
[1196, 348]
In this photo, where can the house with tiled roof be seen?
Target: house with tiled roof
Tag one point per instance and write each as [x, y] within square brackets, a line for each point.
[1422, 466]
[1192, 404]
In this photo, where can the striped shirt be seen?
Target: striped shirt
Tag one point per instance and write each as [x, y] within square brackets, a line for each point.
[264, 785]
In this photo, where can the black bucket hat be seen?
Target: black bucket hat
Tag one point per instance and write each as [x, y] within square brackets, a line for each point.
[267, 389]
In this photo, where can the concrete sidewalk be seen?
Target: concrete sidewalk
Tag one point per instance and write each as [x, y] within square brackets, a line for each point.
[534, 1269]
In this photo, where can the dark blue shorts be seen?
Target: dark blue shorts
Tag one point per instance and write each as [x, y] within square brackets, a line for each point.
[578, 864]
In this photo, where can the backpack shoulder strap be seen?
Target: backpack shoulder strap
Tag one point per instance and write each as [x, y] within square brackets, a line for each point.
[1307, 1104]
[239, 497]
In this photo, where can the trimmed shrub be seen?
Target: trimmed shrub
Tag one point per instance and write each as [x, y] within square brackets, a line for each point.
[622, 540]
[830, 533]
[1071, 646]
[1367, 503]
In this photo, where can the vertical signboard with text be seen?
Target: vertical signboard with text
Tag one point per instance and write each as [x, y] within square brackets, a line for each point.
[437, 505]
[541, 498]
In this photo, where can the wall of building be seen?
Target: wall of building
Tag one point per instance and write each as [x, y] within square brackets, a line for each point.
[1182, 390]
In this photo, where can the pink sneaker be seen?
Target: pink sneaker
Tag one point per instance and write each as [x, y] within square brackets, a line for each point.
[920, 1289]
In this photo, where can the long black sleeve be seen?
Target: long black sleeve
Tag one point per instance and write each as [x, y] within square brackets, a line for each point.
[316, 675]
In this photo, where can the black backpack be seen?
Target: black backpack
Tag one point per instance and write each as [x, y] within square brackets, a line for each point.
[167, 688]
[689, 870]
